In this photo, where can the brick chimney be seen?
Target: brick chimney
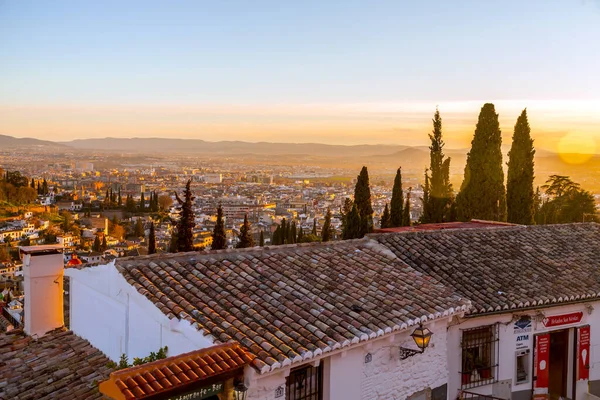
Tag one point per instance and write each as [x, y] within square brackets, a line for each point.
[43, 270]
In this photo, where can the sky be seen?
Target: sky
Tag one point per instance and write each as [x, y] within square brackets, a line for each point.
[342, 72]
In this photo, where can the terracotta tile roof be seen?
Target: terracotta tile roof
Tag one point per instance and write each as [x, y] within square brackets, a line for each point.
[475, 223]
[174, 372]
[59, 365]
[286, 304]
[508, 267]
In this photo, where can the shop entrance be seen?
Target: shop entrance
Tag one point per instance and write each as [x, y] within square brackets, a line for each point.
[558, 365]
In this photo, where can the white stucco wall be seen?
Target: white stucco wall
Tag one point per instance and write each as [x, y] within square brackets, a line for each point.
[346, 376]
[116, 319]
[508, 343]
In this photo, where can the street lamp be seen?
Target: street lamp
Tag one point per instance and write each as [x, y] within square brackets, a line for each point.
[421, 336]
[240, 391]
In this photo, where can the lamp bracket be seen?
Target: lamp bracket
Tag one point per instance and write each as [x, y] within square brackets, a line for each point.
[406, 353]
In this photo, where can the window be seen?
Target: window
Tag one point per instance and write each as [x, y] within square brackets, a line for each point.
[305, 383]
[479, 356]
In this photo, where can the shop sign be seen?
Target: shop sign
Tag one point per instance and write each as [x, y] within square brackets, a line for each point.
[522, 328]
[201, 393]
[563, 319]
[583, 352]
[542, 358]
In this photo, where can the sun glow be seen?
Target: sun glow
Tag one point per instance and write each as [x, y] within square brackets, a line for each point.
[576, 148]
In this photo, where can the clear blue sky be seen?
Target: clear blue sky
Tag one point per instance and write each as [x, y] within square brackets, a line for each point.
[296, 52]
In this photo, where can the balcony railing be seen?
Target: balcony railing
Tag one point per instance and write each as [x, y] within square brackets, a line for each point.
[464, 395]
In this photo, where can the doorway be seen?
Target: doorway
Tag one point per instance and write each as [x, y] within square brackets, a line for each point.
[558, 364]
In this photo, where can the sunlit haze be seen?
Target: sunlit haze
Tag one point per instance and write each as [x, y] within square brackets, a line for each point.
[332, 72]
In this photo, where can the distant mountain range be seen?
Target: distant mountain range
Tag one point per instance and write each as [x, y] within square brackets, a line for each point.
[13, 142]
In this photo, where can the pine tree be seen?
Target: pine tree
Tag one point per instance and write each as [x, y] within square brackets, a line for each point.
[314, 228]
[362, 201]
[352, 225]
[482, 194]
[385, 217]
[520, 197]
[326, 231]
[186, 223]
[152, 240]
[406, 211]
[438, 188]
[246, 239]
[397, 202]
[219, 237]
[261, 240]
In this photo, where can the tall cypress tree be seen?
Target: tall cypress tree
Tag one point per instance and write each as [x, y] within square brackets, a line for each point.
[104, 244]
[246, 239]
[362, 201]
[314, 228]
[152, 240]
[219, 237]
[326, 230]
[96, 245]
[397, 202]
[385, 218]
[186, 223]
[300, 235]
[352, 225]
[142, 202]
[119, 198]
[292, 233]
[438, 188]
[283, 232]
[261, 240]
[482, 194]
[406, 211]
[520, 197]
[276, 239]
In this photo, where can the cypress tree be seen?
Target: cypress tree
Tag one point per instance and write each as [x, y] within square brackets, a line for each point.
[300, 235]
[362, 200]
[439, 190]
[261, 241]
[276, 240]
[173, 244]
[44, 187]
[314, 228]
[520, 197]
[385, 218]
[138, 229]
[104, 244]
[152, 240]
[219, 237]
[406, 211]
[186, 223]
[292, 233]
[246, 239]
[397, 202]
[96, 245]
[352, 226]
[142, 202]
[482, 194]
[326, 231]
[283, 232]
[119, 198]
[32, 183]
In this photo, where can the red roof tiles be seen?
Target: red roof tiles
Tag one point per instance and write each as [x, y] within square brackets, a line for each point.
[174, 372]
[475, 223]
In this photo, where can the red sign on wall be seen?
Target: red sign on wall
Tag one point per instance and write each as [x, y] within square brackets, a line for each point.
[542, 358]
[564, 319]
[583, 353]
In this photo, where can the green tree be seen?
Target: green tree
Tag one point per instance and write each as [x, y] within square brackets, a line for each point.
[261, 241]
[300, 235]
[142, 203]
[482, 194]
[104, 245]
[174, 242]
[246, 239]
[186, 223]
[97, 245]
[385, 217]
[438, 195]
[67, 220]
[362, 201]
[314, 228]
[119, 198]
[326, 231]
[406, 211]
[292, 233]
[152, 240]
[566, 202]
[276, 239]
[219, 237]
[138, 229]
[352, 224]
[520, 197]
[283, 232]
[397, 202]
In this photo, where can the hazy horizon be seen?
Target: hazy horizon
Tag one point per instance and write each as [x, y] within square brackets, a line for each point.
[334, 73]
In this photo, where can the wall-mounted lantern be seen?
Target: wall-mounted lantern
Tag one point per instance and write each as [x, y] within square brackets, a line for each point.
[240, 391]
[421, 336]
